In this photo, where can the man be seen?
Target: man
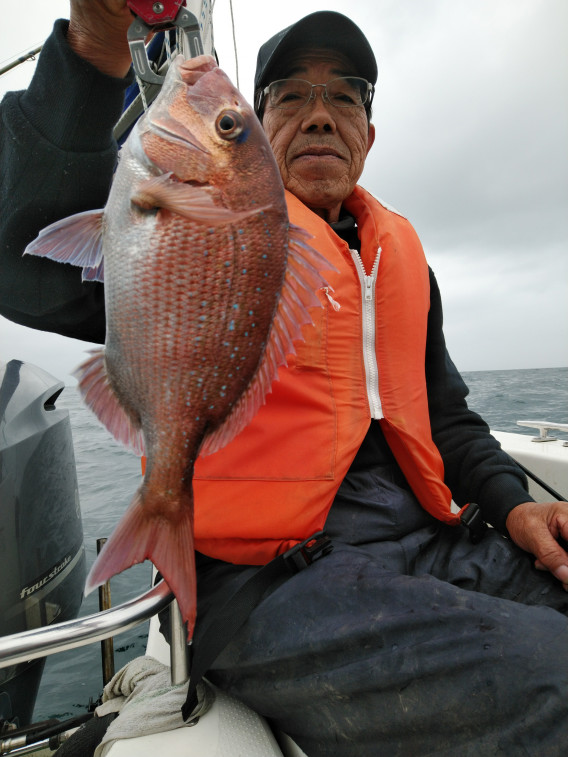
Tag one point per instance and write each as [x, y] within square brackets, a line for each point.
[407, 639]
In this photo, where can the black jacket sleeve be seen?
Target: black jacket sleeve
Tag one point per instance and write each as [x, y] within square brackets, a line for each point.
[476, 468]
[57, 157]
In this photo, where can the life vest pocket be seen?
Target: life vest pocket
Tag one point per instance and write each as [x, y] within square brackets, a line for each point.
[293, 437]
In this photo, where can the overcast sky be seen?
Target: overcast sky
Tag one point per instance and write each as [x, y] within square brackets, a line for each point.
[471, 113]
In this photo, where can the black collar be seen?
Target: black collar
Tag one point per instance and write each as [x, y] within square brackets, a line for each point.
[346, 228]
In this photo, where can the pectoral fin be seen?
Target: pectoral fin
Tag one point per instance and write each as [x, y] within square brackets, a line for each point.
[187, 200]
[76, 240]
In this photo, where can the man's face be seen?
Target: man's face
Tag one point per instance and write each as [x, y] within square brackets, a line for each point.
[320, 149]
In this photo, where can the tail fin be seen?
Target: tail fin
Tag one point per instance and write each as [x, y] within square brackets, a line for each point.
[165, 540]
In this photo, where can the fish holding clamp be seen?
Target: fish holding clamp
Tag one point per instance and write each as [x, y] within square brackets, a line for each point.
[151, 16]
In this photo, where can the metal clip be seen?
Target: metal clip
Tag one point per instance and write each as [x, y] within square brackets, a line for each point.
[138, 32]
[187, 22]
[189, 42]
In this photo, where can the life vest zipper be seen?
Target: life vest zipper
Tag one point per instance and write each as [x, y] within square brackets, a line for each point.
[368, 286]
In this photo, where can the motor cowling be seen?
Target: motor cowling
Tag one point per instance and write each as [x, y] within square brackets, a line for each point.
[42, 557]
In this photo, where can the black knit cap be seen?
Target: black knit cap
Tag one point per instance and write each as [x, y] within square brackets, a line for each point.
[322, 29]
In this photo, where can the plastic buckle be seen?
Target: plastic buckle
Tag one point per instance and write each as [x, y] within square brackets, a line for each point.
[311, 549]
[471, 518]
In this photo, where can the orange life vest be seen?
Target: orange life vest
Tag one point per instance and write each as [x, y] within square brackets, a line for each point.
[273, 485]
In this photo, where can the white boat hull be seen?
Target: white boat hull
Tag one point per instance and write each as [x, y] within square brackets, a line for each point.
[546, 459]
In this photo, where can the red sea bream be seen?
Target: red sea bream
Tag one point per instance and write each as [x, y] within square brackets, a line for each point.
[206, 287]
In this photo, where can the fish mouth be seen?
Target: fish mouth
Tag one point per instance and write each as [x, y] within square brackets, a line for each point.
[160, 121]
[190, 70]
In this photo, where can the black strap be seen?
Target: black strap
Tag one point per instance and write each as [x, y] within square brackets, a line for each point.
[229, 618]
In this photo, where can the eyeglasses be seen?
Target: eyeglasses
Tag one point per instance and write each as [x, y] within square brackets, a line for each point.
[343, 92]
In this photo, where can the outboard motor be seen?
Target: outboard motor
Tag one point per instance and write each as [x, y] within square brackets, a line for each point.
[42, 558]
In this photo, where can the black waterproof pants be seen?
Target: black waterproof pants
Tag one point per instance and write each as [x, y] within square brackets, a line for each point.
[406, 640]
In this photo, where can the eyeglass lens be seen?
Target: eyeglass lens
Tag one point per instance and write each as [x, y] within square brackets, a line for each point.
[343, 92]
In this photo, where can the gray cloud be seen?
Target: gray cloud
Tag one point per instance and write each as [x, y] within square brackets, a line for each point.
[471, 114]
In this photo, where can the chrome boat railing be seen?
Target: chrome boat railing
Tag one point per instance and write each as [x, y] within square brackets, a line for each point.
[48, 640]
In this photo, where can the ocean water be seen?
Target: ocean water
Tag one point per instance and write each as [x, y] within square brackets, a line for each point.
[108, 476]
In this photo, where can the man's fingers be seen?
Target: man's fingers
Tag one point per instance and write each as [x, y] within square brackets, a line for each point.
[553, 558]
[536, 527]
[98, 33]
[561, 574]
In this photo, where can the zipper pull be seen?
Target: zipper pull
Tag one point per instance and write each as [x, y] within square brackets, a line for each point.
[334, 304]
[369, 280]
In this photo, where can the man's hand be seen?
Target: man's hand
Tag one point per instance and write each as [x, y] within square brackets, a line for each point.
[97, 33]
[536, 527]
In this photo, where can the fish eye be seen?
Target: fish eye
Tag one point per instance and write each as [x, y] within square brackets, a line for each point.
[229, 124]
